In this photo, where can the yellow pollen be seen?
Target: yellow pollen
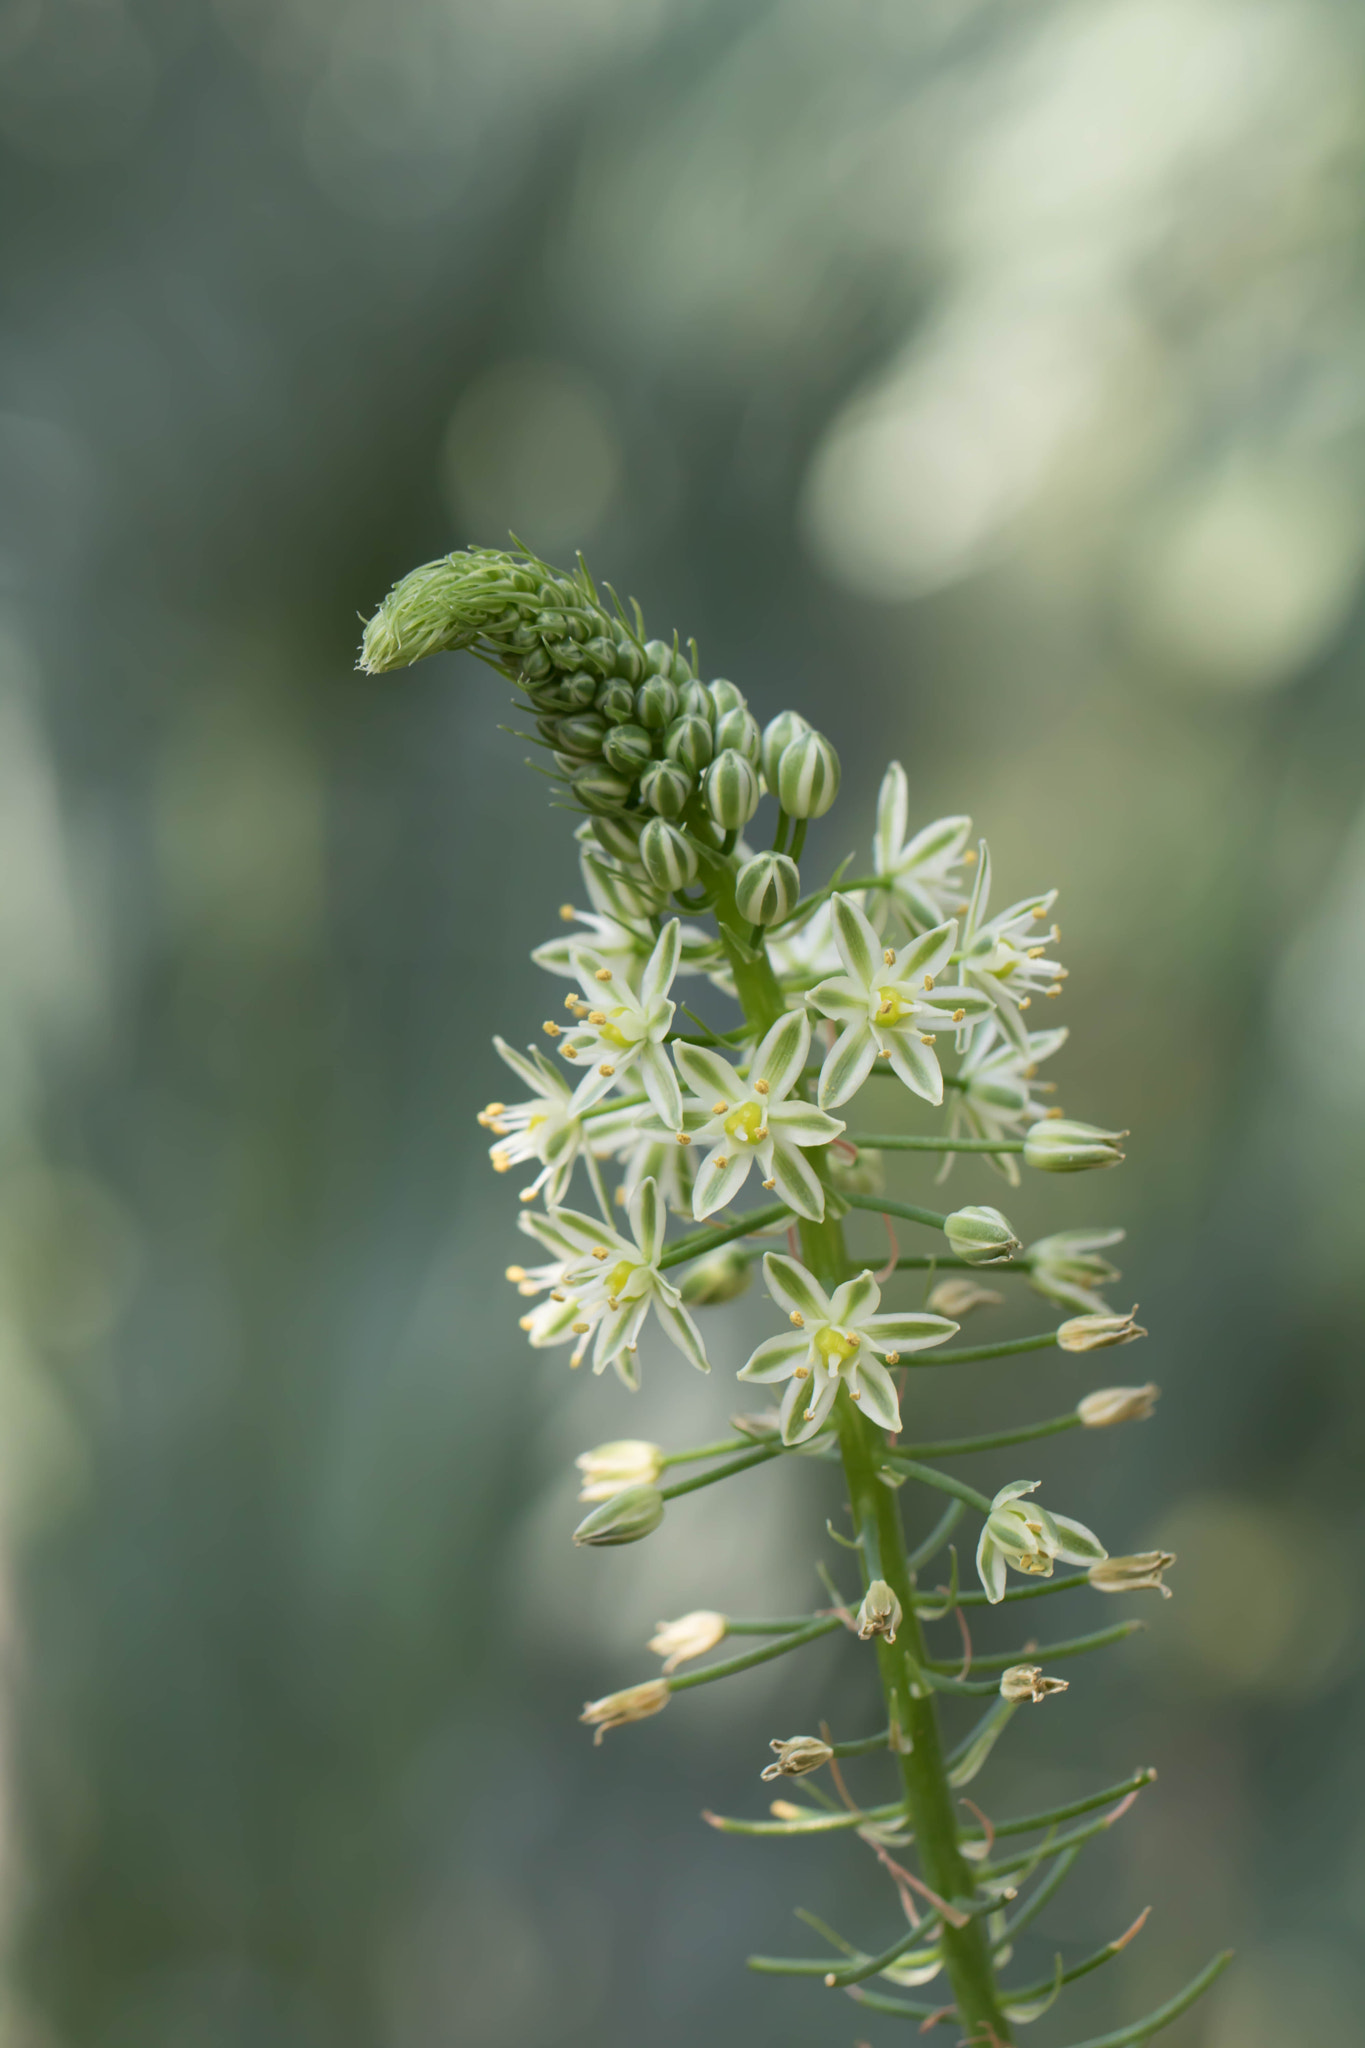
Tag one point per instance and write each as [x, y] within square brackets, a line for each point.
[567, 912]
[1030, 1071]
[886, 1052]
[1054, 991]
[893, 1358]
[926, 1038]
[597, 1017]
[515, 1273]
[798, 1319]
[719, 1108]
[526, 1322]
[550, 1028]
[500, 1161]
[928, 981]
[1037, 911]
[802, 1372]
[599, 1251]
[556, 1295]
[495, 1109]
[1024, 1001]
[1036, 952]
[606, 1068]
[888, 956]
[1056, 934]
[526, 1195]
[809, 1415]
[856, 1392]
[570, 1052]
[602, 974]
[969, 857]
[683, 1138]
[580, 1329]
[770, 1185]
[958, 1015]
[760, 1087]
[572, 1002]
[746, 1124]
[760, 1134]
[722, 1162]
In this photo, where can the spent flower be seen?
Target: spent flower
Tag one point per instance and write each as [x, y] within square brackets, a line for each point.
[1097, 1333]
[636, 1703]
[1136, 1574]
[795, 1756]
[692, 1635]
[611, 1468]
[1108, 1405]
[1027, 1682]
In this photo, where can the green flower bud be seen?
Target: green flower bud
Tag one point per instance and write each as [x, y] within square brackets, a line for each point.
[618, 836]
[807, 776]
[579, 690]
[563, 653]
[722, 1276]
[582, 734]
[665, 787]
[630, 662]
[656, 702]
[616, 701]
[670, 860]
[694, 698]
[600, 654]
[778, 735]
[739, 730]
[610, 1468]
[625, 1518]
[731, 790]
[536, 665]
[723, 697]
[663, 660]
[767, 888]
[981, 1236]
[598, 789]
[1060, 1146]
[627, 749]
[688, 741]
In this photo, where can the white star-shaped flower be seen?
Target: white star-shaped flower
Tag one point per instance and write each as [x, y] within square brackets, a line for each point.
[997, 958]
[887, 1004]
[623, 1026]
[548, 1128]
[922, 871]
[1029, 1538]
[602, 1285]
[993, 1091]
[755, 1119]
[838, 1340]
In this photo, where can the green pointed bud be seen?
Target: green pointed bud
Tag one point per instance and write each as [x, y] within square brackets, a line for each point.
[722, 1276]
[981, 1236]
[663, 660]
[724, 697]
[688, 741]
[738, 729]
[778, 735]
[694, 699]
[625, 1518]
[628, 749]
[598, 789]
[731, 790]
[1058, 1145]
[767, 888]
[618, 836]
[615, 701]
[656, 702]
[599, 654]
[670, 859]
[536, 665]
[807, 776]
[566, 693]
[665, 787]
[630, 663]
[582, 734]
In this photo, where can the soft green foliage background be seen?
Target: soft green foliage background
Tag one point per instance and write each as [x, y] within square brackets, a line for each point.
[986, 382]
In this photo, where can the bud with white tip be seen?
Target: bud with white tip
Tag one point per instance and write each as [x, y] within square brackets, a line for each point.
[689, 742]
[625, 1518]
[767, 888]
[636, 1703]
[1027, 1682]
[807, 776]
[981, 1236]
[665, 787]
[797, 1755]
[1108, 1405]
[1097, 1333]
[611, 1468]
[668, 856]
[880, 1613]
[731, 790]
[778, 735]
[1137, 1574]
[692, 1635]
[1058, 1145]
[738, 729]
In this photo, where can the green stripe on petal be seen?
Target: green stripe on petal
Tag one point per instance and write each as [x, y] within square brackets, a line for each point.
[721, 1177]
[781, 1057]
[851, 1059]
[879, 1402]
[661, 1084]
[775, 1358]
[706, 1073]
[908, 1332]
[915, 1064]
[857, 1298]
[679, 1328]
[798, 1185]
[797, 1123]
[927, 955]
[794, 1289]
[859, 947]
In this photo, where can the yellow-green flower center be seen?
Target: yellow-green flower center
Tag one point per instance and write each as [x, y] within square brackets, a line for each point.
[744, 1123]
[618, 1277]
[835, 1346]
[891, 1007]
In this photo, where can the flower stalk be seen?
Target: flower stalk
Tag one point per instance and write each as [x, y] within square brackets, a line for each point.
[903, 974]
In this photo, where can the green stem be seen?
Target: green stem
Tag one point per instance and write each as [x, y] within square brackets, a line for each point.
[971, 1353]
[912, 1714]
[762, 1455]
[959, 1446]
[707, 1240]
[880, 1206]
[720, 1450]
[903, 1144]
[792, 1640]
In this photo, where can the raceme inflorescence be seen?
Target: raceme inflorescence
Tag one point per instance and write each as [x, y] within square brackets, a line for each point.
[701, 1156]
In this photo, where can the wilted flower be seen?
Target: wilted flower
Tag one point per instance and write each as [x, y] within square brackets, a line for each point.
[797, 1755]
[1137, 1574]
[1108, 1405]
[957, 1298]
[1096, 1333]
[1027, 1682]
[1023, 1534]
[1067, 1268]
[610, 1468]
[692, 1635]
[636, 1703]
[880, 1613]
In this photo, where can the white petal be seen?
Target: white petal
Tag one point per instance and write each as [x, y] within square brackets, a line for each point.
[856, 1299]
[662, 964]
[915, 1064]
[722, 1176]
[981, 892]
[840, 997]
[535, 1071]
[849, 1062]
[820, 1404]
[794, 1289]
[797, 1123]
[661, 1084]
[879, 1402]
[585, 1233]
[1078, 1545]
[775, 1358]
[927, 955]
[859, 947]
[797, 1184]
[708, 1075]
[781, 1057]
[679, 1328]
[649, 1221]
[893, 815]
[908, 1332]
[618, 1328]
[991, 1568]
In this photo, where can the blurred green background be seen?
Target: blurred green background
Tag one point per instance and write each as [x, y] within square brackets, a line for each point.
[986, 381]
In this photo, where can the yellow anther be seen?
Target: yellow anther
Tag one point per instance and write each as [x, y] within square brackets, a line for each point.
[570, 1052]
[760, 1087]
[760, 1134]
[557, 1296]
[526, 1322]
[893, 1358]
[719, 1108]
[606, 1068]
[500, 1161]
[888, 956]
[572, 1002]
[1056, 934]
[722, 1162]
[683, 1138]
[495, 1109]
[926, 1038]
[1036, 952]
[1030, 1070]
[551, 1029]
[602, 974]
[809, 1415]
[770, 1185]
[1054, 991]
[580, 1329]
[1056, 1110]
[1024, 1001]
[526, 1194]
[969, 857]
[798, 1319]
[599, 1251]
[1037, 911]
[958, 1015]
[801, 1372]
[515, 1274]
[928, 981]
[856, 1392]
[597, 1018]
[886, 1052]
[567, 912]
